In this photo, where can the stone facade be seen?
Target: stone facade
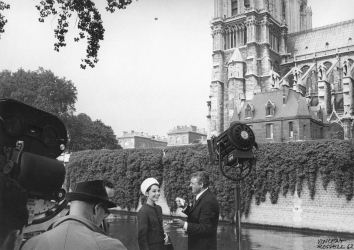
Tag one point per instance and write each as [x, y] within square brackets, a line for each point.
[326, 211]
[260, 46]
[184, 135]
[141, 140]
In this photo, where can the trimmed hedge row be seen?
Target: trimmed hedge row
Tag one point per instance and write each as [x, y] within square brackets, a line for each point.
[281, 168]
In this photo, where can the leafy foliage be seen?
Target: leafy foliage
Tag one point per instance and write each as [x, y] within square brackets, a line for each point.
[43, 90]
[281, 168]
[125, 168]
[86, 134]
[3, 21]
[89, 22]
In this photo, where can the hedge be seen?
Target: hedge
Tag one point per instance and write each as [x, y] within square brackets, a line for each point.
[281, 168]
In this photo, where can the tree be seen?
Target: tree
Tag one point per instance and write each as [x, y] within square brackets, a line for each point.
[89, 22]
[87, 134]
[41, 89]
[3, 21]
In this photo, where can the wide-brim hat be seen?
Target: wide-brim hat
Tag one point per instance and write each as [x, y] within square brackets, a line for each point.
[147, 183]
[90, 191]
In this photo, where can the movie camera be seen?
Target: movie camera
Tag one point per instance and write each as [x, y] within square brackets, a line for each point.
[30, 142]
[233, 148]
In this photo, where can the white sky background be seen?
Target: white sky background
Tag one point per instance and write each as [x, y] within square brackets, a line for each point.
[152, 75]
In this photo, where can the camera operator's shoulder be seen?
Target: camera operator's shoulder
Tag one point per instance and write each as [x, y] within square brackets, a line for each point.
[37, 242]
[105, 242]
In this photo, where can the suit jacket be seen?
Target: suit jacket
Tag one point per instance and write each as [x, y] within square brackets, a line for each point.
[203, 218]
[150, 228]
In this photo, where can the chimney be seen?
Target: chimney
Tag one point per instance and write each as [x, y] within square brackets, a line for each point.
[125, 132]
[194, 128]
[132, 132]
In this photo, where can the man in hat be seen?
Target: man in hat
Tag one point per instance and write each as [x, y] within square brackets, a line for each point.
[110, 192]
[80, 229]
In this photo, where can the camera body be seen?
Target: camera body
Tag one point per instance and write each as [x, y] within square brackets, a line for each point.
[30, 142]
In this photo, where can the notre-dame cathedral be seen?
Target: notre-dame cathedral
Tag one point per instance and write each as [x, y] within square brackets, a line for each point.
[274, 72]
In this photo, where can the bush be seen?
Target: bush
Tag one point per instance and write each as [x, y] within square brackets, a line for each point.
[281, 168]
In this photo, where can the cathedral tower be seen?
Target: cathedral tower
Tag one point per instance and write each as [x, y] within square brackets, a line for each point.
[249, 40]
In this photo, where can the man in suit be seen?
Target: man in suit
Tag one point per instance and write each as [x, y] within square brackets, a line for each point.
[203, 214]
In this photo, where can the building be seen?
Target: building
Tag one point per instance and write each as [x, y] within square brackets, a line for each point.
[282, 115]
[265, 46]
[184, 135]
[141, 140]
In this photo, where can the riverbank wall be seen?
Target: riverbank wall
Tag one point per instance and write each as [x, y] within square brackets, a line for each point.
[326, 212]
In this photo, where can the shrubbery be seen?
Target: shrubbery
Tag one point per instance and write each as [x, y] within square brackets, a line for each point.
[281, 168]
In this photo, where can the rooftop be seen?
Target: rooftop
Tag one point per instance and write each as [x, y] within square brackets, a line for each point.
[327, 37]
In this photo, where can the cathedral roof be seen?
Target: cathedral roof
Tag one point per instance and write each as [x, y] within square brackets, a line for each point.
[322, 38]
[236, 56]
[295, 106]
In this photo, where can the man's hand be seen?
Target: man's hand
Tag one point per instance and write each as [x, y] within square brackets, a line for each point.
[180, 202]
[178, 223]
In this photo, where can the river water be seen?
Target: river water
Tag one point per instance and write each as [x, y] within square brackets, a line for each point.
[124, 228]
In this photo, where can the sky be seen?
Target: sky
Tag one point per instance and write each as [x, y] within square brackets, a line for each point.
[152, 75]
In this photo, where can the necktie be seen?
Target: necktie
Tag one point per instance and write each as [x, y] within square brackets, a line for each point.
[194, 201]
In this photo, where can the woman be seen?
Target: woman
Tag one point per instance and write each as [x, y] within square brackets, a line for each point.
[150, 226]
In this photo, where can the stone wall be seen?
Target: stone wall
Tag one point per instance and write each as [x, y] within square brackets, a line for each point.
[326, 211]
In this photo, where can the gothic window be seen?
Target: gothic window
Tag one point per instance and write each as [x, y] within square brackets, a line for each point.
[338, 102]
[178, 140]
[171, 140]
[309, 89]
[305, 69]
[184, 139]
[234, 7]
[247, 3]
[245, 36]
[270, 109]
[291, 130]
[291, 80]
[320, 115]
[249, 111]
[304, 130]
[327, 45]
[269, 131]
[273, 42]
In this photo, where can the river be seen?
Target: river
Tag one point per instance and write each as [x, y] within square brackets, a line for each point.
[124, 227]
